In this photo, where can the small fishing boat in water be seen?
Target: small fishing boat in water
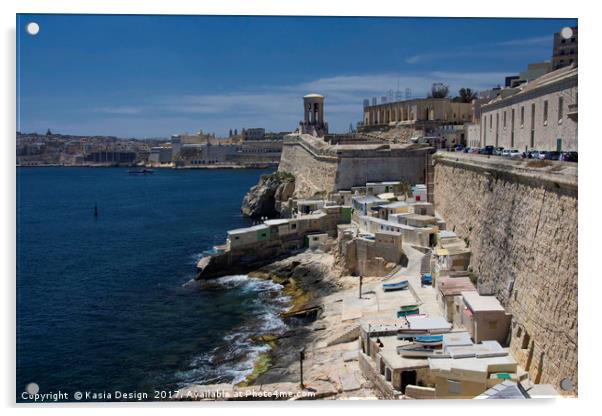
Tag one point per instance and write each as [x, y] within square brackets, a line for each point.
[141, 171]
[387, 287]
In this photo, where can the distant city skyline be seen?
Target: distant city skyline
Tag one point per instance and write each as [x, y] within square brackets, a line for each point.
[153, 76]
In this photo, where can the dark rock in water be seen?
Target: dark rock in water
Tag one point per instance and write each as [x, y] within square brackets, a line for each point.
[262, 199]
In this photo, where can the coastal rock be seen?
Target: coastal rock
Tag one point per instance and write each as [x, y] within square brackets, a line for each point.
[264, 199]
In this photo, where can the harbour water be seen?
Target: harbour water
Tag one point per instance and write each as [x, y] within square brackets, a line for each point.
[106, 303]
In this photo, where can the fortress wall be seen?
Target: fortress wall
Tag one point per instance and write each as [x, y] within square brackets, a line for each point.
[313, 173]
[521, 225]
[327, 168]
[356, 171]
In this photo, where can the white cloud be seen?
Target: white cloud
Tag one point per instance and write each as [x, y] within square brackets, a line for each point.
[277, 108]
[119, 110]
[536, 40]
[485, 50]
[280, 107]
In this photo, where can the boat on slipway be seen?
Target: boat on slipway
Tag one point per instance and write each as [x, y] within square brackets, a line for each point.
[388, 287]
[407, 310]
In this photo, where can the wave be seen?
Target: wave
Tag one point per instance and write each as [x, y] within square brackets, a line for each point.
[233, 360]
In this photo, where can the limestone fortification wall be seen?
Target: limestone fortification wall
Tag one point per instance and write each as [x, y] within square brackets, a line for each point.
[520, 222]
[320, 167]
[313, 172]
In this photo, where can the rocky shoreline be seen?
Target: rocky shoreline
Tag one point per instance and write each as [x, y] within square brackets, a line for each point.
[313, 281]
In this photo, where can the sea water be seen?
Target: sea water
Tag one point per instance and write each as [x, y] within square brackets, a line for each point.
[108, 303]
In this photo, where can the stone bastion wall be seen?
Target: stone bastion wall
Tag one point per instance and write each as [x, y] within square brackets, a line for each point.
[320, 167]
[520, 221]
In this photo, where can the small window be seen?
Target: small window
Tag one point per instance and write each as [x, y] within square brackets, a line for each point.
[453, 386]
[545, 112]
[504, 119]
[522, 116]
[237, 238]
[293, 226]
[560, 109]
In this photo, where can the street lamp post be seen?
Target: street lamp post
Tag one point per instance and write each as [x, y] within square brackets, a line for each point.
[301, 358]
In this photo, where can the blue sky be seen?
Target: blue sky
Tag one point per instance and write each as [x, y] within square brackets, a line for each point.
[153, 76]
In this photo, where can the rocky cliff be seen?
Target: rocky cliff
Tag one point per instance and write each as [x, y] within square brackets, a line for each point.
[265, 198]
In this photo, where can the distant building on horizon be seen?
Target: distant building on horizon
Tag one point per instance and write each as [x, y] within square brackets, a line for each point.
[564, 52]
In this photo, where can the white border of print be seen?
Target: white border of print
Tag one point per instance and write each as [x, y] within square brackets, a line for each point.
[589, 286]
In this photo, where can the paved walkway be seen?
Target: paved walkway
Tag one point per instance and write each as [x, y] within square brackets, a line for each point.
[376, 303]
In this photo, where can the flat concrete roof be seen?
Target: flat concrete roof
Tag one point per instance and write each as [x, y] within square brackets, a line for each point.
[469, 364]
[276, 222]
[420, 217]
[395, 233]
[369, 199]
[431, 323]
[479, 303]
[396, 204]
[248, 229]
[316, 215]
[453, 286]
[394, 360]
[454, 339]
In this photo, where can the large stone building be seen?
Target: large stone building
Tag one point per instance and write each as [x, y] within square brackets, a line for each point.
[540, 115]
[253, 134]
[421, 112]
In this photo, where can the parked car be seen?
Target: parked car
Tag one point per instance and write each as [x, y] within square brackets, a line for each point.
[569, 156]
[506, 152]
[498, 151]
[487, 150]
[533, 154]
[467, 149]
[515, 153]
[552, 156]
[458, 148]
[475, 150]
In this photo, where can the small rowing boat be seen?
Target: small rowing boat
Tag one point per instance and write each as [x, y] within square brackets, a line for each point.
[407, 310]
[387, 287]
[429, 340]
[413, 351]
